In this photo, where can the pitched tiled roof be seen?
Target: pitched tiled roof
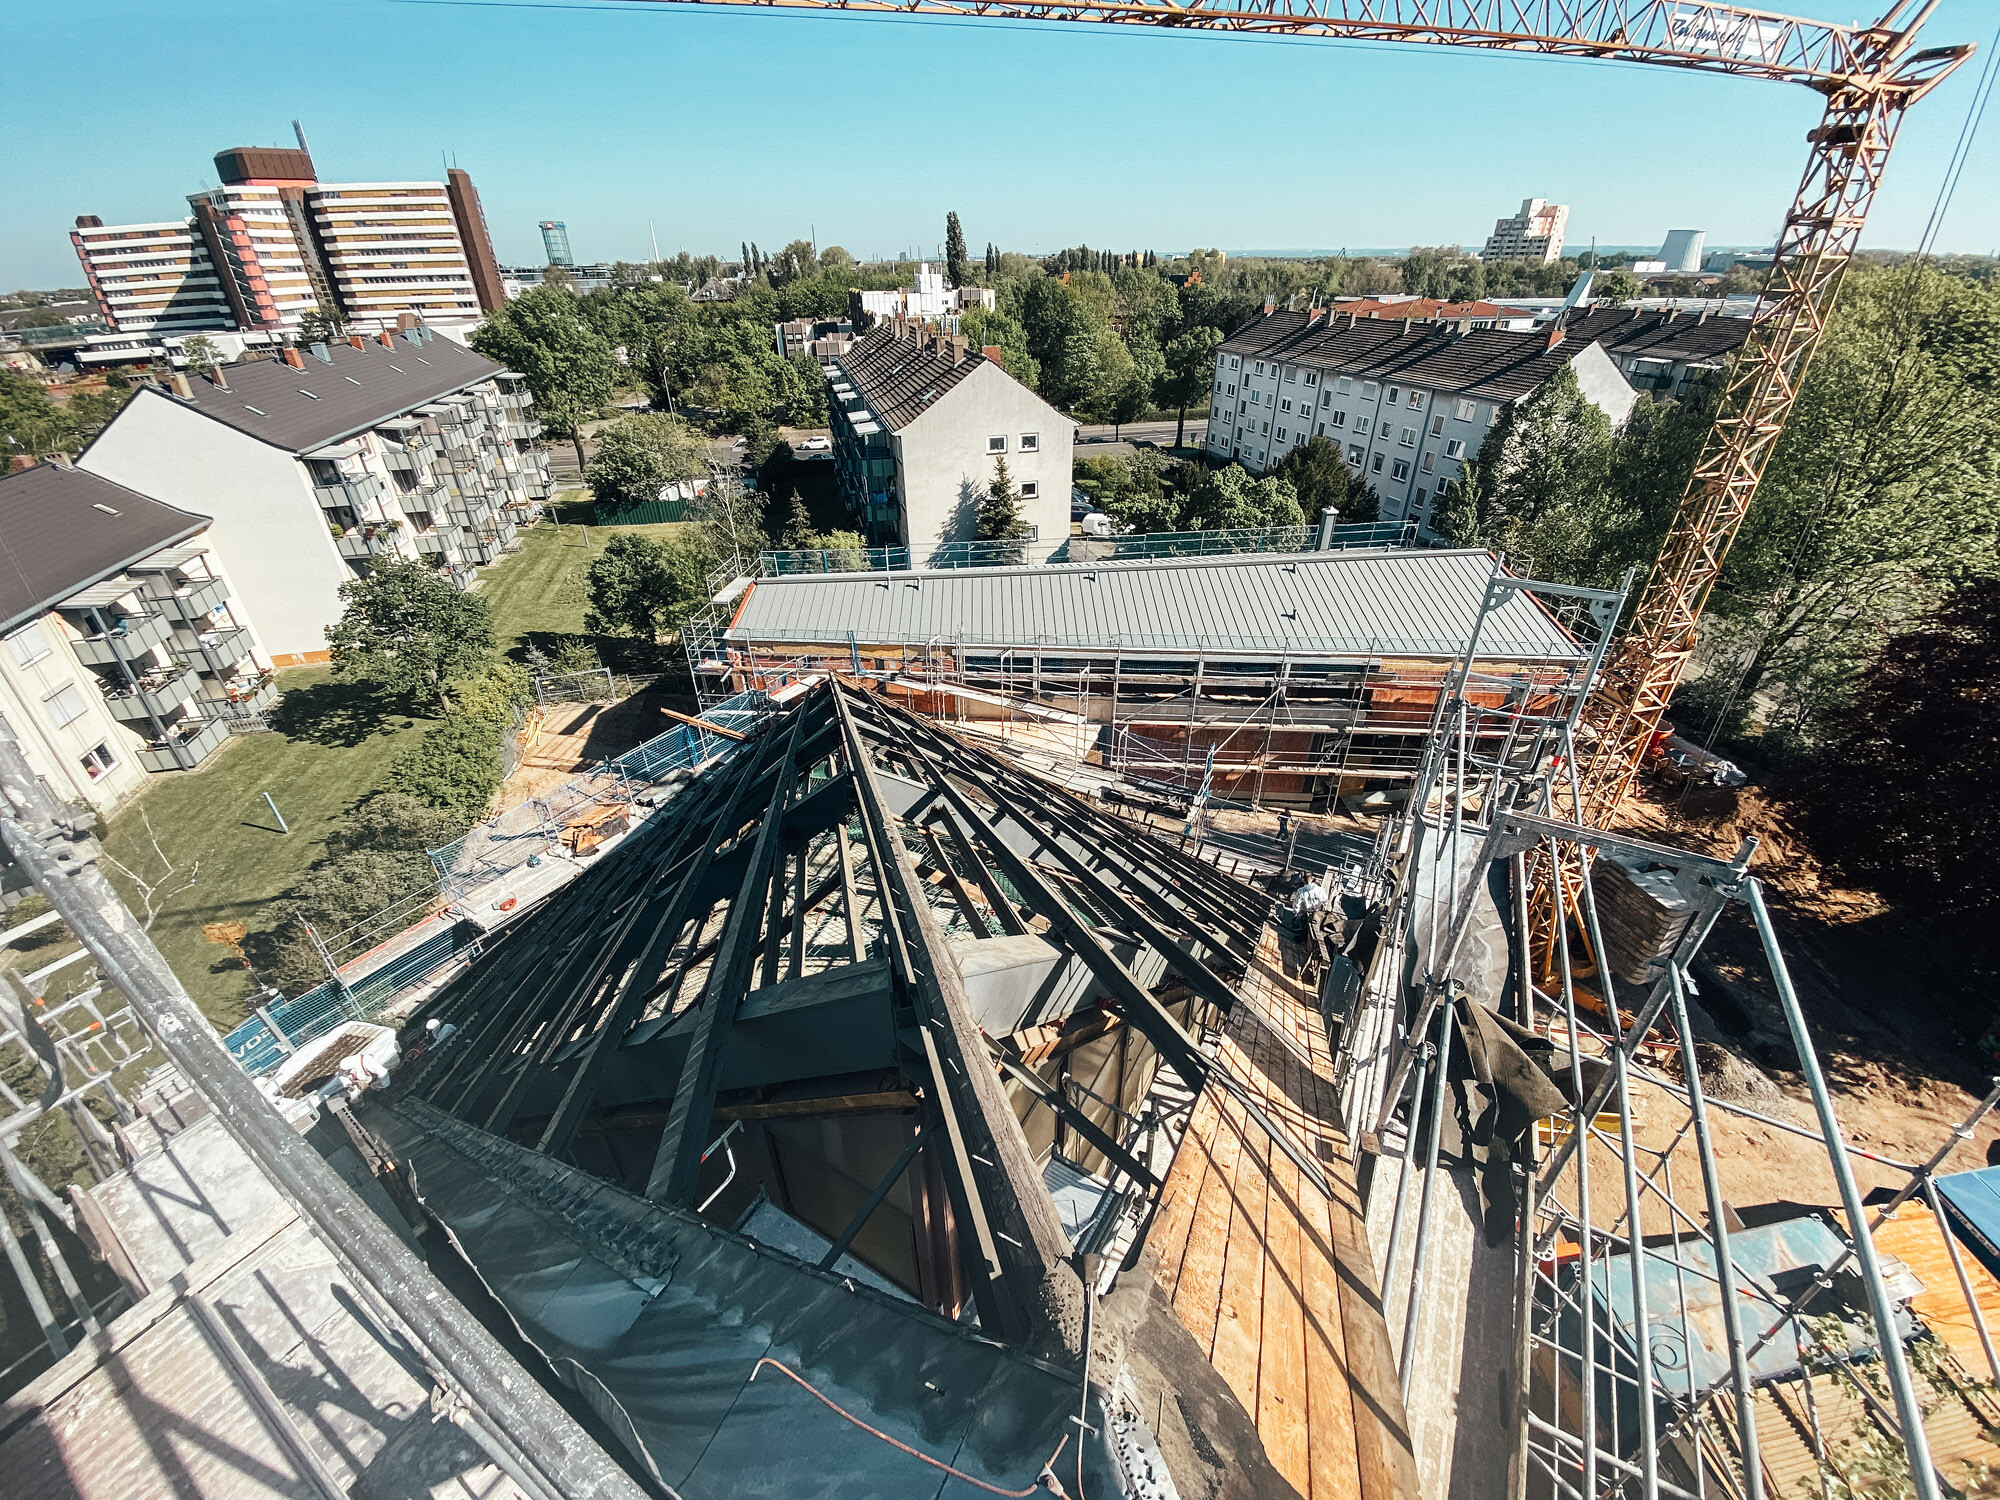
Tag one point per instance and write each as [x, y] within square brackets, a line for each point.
[350, 391]
[62, 530]
[1485, 363]
[900, 377]
[1631, 331]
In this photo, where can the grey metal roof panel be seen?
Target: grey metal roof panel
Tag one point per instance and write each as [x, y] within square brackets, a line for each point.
[357, 389]
[1325, 604]
[63, 529]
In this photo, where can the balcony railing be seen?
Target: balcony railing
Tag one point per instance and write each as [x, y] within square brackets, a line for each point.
[158, 695]
[223, 649]
[424, 500]
[448, 537]
[131, 639]
[524, 432]
[249, 695]
[185, 750]
[349, 494]
[398, 458]
[366, 544]
[198, 600]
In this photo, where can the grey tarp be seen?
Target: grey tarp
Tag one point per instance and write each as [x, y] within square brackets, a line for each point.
[659, 1320]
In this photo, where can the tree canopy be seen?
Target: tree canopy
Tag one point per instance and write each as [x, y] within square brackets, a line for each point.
[643, 585]
[405, 626]
[568, 364]
[639, 456]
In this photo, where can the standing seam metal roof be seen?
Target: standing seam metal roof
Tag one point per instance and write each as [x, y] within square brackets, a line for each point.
[1345, 604]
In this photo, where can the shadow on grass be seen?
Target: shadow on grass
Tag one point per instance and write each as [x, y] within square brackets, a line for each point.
[337, 713]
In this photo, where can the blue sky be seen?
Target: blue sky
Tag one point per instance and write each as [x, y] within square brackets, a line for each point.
[720, 126]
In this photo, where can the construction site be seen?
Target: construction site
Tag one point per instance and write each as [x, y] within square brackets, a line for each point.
[1200, 1026]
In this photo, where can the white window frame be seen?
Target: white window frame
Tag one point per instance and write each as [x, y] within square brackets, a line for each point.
[1031, 442]
[1354, 454]
[1286, 404]
[1400, 472]
[56, 702]
[996, 443]
[98, 761]
[1415, 400]
[1312, 377]
[1281, 434]
[1395, 394]
[1376, 466]
[1338, 418]
[29, 644]
[1031, 489]
[1468, 410]
[1437, 424]
[1361, 425]
[1430, 462]
[1408, 439]
[1455, 448]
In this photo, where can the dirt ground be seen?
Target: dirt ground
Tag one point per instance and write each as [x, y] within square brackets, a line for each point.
[573, 736]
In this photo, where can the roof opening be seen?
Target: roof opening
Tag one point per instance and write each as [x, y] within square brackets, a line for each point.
[100, 505]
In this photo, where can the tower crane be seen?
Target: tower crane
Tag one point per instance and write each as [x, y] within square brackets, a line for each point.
[1869, 77]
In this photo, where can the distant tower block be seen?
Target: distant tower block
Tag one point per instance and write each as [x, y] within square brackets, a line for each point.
[1682, 251]
[555, 242]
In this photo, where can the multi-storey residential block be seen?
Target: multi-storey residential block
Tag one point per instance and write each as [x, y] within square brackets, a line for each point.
[822, 338]
[271, 243]
[122, 649]
[152, 279]
[1407, 402]
[1535, 233]
[929, 299]
[918, 422]
[398, 446]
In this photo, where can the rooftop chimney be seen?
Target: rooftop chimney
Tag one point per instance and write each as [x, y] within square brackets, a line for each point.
[994, 353]
[215, 375]
[386, 341]
[1555, 333]
[293, 358]
[1270, 303]
[1314, 315]
[179, 381]
[356, 341]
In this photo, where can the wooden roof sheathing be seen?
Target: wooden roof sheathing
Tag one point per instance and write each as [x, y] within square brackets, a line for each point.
[1319, 604]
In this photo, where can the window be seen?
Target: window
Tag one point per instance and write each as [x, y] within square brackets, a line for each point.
[996, 444]
[1326, 397]
[1260, 367]
[1281, 434]
[1409, 437]
[1232, 388]
[1467, 410]
[1031, 442]
[1235, 363]
[1030, 489]
[28, 645]
[1422, 496]
[1416, 399]
[1256, 398]
[1239, 434]
[65, 704]
[1322, 429]
[1337, 418]
[1376, 466]
[97, 760]
[1291, 373]
[1395, 394]
[1286, 404]
[1346, 384]
[1243, 406]
[1354, 453]
[1368, 390]
[1430, 462]
[1455, 448]
[1400, 472]
[1437, 425]
[1361, 426]
[1312, 378]
[1267, 429]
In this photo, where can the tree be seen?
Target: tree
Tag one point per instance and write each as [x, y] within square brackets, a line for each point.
[639, 456]
[641, 585]
[1543, 477]
[836, 258]
[1228, 499]
[201, 352]
[732, 523]
[319, 327]
[798, 533]
[1000, 518]
[1443, 271]
[30, 423]
[1189, 374]
[1319, 475]
[1905, 794]
[983, 329]
[405, 626]
[568, 364]
[954, 250]
[1616, 286]
[456, 768]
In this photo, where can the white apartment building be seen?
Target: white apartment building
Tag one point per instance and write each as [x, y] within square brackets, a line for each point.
[929, 299]
[391, 248]
[122, 648]
[151, 279]
[918, 423]
[400, 446]
[272, 243]
[1535, 233]
[1407, 402]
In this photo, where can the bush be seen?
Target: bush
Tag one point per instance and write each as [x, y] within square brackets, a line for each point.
[455, 768]
[496, 697]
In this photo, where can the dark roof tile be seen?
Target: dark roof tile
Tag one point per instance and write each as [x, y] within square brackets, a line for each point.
[899, 377]
[62, 530]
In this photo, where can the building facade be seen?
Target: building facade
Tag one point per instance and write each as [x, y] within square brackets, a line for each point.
[1535, 233]
[1681, 253]
[1408, 403]
[919, 423]
[271, 243]
[555, 242]
[123, 650]
[823, 339]
[401, 446]
[929, 299]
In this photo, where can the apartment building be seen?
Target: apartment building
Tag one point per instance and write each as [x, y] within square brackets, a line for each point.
[930, 300]
[122, 648]
[1535, 233]
[918, 422]
[271, 243]
[823, 338]
[151, 279]
[1408, 402]
[1660, 349]
[317, 463]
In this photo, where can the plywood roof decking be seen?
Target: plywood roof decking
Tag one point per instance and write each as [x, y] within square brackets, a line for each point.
[1277, 1284]
[1316, 604]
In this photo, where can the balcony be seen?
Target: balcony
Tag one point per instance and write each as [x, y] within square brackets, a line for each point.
[366, 543]
[159, 695]
[183, 751]
[129, 640]
[524, 432]
[221, 650]
[398, 458]
[349, 494]
[448, 537]
[249, 695]
[198, 600]
[424, 500]
[461, 574]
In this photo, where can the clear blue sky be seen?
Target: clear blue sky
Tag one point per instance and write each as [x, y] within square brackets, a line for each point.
[724, 126]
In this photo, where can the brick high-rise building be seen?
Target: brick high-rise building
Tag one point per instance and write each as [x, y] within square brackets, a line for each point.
[272, 243]
[1535, 233]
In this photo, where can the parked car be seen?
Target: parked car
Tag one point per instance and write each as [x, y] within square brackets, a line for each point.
[815, 445]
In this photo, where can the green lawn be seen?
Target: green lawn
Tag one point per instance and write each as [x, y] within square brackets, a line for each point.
[336, 742]
[333, 748]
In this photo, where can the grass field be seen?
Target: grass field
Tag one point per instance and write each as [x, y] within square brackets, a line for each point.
[333, 747]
